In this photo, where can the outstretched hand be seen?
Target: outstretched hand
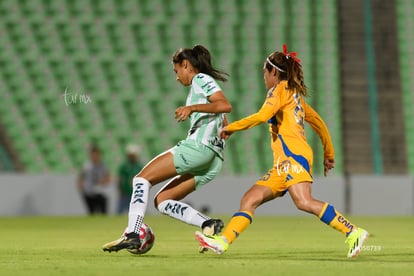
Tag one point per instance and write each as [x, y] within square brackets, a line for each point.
[224, 133]
[327, 165]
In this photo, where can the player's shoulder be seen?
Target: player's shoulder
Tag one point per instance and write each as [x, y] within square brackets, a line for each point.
[282, 86]
[206, 82]
[278, 90]
[284, 92]
[203, 78]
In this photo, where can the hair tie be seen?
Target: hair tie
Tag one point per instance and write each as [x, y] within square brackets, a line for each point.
[292, 54]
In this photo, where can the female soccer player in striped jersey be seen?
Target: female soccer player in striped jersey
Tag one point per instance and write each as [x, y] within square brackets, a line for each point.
[193, 162]
[286, 111]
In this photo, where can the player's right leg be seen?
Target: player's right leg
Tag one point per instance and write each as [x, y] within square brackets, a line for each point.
[302, 197]
[355, 241]
[157, 170]
[127, 241]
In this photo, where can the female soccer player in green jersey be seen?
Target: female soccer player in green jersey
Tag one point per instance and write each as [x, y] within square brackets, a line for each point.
[194, 161]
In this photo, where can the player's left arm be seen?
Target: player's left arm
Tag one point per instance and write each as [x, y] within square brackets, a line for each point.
[218, 103]
[319, 126]
[225, 120]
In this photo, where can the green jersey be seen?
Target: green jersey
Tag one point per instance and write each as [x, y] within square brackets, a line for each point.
[205, 126]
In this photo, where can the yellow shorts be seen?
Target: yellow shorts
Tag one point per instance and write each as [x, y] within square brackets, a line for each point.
[288, 169]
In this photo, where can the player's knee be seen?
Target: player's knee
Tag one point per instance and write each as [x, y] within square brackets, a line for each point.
[304, 205]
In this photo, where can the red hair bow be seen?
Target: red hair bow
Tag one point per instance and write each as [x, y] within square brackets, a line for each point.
[292, 55]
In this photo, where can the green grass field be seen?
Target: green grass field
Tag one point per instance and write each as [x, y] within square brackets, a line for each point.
[271, 246]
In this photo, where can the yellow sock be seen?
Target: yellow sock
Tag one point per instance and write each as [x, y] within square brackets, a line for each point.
[336, 220]
[238, 223]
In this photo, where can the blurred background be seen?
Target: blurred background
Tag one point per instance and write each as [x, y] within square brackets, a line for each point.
[80, 72]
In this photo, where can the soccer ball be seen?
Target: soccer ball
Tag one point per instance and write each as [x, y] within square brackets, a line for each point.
[147, 237]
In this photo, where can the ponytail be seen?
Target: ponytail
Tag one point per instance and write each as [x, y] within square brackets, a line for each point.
[289, 68]
[200, 58]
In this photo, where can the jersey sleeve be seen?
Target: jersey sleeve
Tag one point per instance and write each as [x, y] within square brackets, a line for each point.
[267, 111]
[319, 126]
[207, 84]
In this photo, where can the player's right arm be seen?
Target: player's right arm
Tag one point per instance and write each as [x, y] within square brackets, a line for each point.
[218, 103]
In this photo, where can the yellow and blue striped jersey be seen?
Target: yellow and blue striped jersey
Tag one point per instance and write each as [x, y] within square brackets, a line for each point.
[286, 111]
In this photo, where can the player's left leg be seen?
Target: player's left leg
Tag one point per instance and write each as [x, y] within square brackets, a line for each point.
[167, 200]
[271, 185]
[240, 221]
[301, 194]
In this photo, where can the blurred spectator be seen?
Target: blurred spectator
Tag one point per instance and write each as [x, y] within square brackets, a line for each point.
[127, 170]
[93, 179]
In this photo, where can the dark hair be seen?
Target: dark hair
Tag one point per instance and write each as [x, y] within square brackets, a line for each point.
[292, 71]
[200, 58]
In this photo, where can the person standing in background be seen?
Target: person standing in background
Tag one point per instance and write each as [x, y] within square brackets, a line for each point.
[126, 172]
[93, 179]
